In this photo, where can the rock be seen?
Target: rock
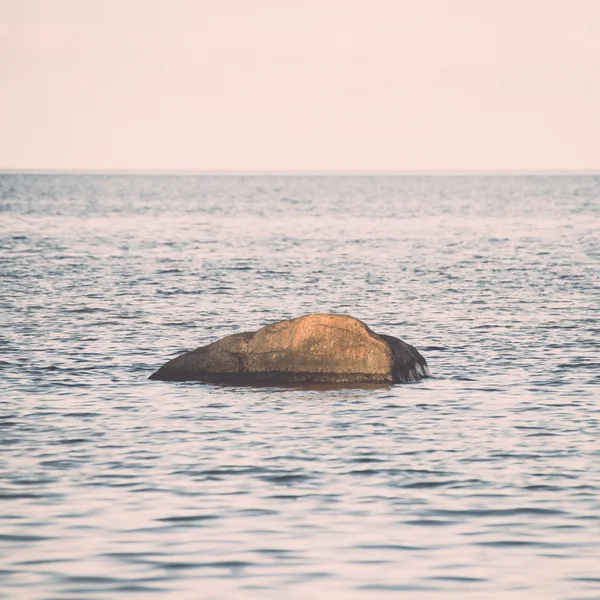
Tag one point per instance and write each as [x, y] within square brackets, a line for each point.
[315, 348]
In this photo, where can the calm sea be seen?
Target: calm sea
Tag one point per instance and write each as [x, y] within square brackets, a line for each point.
[481, 482]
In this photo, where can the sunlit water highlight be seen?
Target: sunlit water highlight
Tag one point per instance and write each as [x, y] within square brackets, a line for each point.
[481, 482]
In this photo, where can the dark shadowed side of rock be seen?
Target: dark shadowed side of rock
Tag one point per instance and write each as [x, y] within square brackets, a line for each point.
[315, 348]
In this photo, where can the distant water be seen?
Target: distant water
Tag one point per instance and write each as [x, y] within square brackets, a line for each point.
[482, 482]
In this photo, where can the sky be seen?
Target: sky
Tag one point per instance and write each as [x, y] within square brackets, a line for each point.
[300, 85]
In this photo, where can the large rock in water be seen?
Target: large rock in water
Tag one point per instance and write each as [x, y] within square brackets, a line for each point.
[311, 349]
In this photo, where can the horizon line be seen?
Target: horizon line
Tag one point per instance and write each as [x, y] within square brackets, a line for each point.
[300, 172]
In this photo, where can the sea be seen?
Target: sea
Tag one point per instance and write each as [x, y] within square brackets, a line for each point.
[480, 482]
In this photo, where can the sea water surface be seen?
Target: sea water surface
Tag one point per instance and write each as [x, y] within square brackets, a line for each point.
[480, 482]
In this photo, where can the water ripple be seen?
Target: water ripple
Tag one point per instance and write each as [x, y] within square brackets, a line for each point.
[480, 482]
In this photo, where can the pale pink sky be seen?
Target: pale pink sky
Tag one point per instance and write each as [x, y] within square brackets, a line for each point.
[384, 85]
